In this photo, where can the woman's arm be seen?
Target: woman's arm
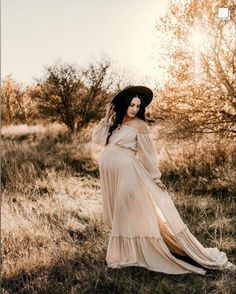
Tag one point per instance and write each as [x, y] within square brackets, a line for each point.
[100, 131]
[147, 154]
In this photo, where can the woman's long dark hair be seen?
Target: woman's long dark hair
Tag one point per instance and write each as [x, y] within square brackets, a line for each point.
[121, 110]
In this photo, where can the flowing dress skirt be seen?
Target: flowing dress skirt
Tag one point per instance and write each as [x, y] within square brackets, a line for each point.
[146, 228]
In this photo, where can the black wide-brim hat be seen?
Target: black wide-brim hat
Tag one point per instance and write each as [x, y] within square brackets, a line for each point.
[145, 93]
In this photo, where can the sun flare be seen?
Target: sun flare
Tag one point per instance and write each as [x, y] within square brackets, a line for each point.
[199, 42]
[199, 38]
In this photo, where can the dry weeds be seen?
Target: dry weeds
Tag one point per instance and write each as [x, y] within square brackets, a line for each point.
[53, 238]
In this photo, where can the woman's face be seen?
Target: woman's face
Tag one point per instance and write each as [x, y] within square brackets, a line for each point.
[133, 107]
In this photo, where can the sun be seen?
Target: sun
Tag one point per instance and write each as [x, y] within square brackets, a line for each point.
[198, 38]
[198, 43]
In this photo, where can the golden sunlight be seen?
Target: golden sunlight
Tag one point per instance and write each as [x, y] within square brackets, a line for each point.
[198, 41]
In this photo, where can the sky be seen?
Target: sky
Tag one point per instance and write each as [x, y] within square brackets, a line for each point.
[37, 33]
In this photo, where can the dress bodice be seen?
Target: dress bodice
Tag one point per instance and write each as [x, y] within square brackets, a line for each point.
[125, 136]
[136, 137]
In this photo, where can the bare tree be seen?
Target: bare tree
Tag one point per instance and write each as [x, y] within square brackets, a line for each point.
[56, 93]
[199, 96]
[74, 96]
[13, 106]
[97, 80]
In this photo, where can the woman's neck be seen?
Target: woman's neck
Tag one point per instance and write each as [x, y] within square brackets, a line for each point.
[127, 118]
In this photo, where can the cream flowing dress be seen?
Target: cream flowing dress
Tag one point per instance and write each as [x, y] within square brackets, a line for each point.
[146, 227]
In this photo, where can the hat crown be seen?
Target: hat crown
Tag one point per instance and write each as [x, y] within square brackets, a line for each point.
[144, 92]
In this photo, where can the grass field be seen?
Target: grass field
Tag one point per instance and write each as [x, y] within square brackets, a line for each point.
[53, 238]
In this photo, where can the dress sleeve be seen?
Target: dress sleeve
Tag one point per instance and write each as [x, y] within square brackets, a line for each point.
[147, 153]
[100, 132]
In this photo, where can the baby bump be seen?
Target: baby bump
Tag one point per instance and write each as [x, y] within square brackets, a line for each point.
[116, 159]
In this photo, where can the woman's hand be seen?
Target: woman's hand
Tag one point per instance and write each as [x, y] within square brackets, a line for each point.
[109, 112]
[160, 184]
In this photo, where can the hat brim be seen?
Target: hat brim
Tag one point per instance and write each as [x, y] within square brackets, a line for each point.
[145, 93]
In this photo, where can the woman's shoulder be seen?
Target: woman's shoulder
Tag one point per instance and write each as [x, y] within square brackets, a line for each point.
[141, 125]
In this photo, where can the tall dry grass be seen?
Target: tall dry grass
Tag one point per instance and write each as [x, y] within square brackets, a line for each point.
[203, 167]
[53, 238]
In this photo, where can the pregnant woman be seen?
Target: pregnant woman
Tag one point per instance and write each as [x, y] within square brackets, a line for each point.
[146, 228]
